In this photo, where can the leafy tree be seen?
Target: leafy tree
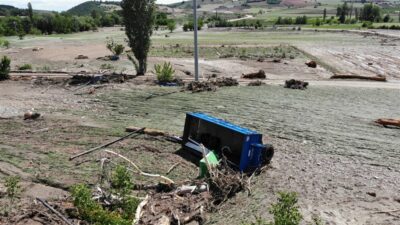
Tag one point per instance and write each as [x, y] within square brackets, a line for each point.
[171, 25]
[371, 12]
[342, 12]
[138, 16]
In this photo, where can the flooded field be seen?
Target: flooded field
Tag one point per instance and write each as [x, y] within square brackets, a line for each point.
[336, 119]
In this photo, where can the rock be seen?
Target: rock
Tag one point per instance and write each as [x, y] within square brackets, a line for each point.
[373, 194]
[276, 60]
[312, 64]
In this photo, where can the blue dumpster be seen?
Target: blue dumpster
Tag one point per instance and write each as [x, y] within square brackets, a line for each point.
[242, 147]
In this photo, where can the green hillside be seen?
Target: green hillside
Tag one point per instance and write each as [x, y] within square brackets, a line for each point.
[7, 10]
[86, 8]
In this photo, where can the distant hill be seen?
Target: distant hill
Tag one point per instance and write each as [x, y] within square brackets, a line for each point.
[86, 8]
[8, 10]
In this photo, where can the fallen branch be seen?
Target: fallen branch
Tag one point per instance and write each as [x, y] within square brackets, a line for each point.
[139, 210]
[54, 211]
[352, 76]
[388, 122]
[172, 168]
[169, 181]
[108, 144]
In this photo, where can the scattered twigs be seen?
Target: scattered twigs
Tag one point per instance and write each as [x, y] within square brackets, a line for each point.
[172, 168]
[139, 132]
[54, 211]
[138, 170]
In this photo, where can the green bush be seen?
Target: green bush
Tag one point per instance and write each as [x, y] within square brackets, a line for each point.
[171, 25]
[91, 211]
[165, 72]
[4, 43]
[12, 187]
[286, 211]
[25, 67]
[5, 68]
[115, 48]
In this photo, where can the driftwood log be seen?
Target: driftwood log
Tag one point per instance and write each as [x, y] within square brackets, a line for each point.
[352, 76]
[388, 122]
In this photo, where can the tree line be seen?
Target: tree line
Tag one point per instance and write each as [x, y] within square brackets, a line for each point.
[61, 23]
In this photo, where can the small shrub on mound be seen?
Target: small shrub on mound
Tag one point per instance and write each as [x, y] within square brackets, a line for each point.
[165, 73]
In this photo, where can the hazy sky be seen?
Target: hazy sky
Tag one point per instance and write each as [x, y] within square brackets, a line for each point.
[57, 5]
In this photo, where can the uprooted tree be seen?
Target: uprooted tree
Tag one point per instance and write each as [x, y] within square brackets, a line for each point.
[139, 21]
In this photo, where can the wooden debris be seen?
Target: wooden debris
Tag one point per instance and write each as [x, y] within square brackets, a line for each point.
[172, 168]
[138, 170]
[138, 132]
[352, 76]
[259, 75]
[148, 131]
[54, 211]
[388, 122]
[296, 84]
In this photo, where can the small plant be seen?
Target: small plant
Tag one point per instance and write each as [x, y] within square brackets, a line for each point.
[91, 211]
[286, 211]
[165, 72]
[5, 68]
[12, 188]
[106, 67]
[121, 181]
[115, 48]
[25, 67]
[4, 43]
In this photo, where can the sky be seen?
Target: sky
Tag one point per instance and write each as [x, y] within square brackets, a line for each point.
[57, 5]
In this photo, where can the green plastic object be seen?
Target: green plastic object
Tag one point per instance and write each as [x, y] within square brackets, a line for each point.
[212, 161]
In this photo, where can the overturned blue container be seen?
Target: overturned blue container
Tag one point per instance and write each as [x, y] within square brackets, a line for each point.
[242, 147]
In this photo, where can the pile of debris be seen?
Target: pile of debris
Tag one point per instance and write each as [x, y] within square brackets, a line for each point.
[88, 79]
[259, 75]
[296, 84]
[312, 64]
[211, 84]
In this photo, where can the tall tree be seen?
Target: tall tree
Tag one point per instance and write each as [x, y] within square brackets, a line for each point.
[324, 14]
[30, 11]
[139, 18]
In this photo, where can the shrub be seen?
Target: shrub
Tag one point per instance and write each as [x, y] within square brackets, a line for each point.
[12, 187]
[165, 72]
[106, 67]
[25, 67]
[5, 68]
[115, 48]
[286, 211]
[4, 43]
[91, 211]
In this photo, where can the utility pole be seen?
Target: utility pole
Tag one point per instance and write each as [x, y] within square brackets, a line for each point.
[196, 49]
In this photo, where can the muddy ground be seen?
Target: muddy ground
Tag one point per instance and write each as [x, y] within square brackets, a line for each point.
[328, 149]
